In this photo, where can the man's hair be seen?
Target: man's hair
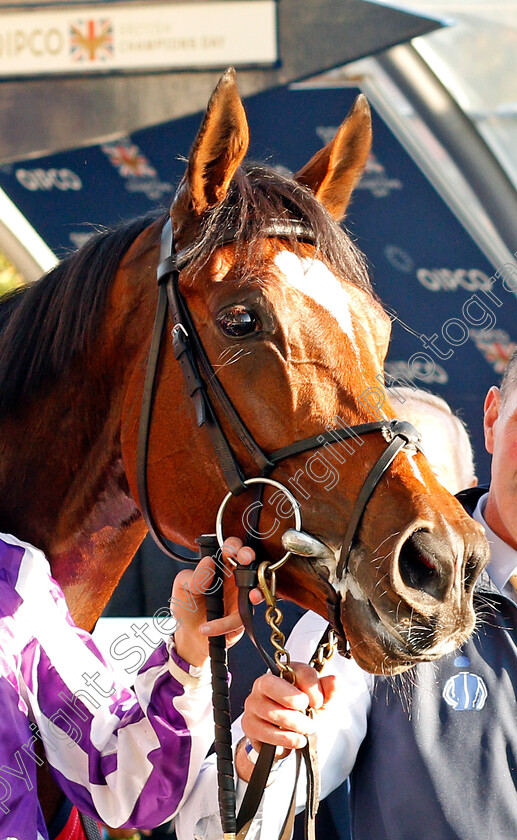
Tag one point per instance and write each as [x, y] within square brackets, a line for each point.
[413, 403]
[509, 380]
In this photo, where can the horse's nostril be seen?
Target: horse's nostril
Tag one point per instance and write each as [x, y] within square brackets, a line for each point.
[418, 569]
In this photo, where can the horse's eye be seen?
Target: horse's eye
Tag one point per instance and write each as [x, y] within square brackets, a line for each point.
[238, 322]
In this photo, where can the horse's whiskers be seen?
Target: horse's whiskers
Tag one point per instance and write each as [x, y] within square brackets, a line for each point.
[387, 574]
[397, 611]
[389, 537]
[395, 319]
[237, 355]
[378, 558]
[484, 611]
[410, 625]
[228, 351]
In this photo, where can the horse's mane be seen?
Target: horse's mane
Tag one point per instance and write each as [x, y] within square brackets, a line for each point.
[45, 325]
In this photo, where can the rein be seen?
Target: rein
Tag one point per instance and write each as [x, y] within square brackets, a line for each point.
[201, 382]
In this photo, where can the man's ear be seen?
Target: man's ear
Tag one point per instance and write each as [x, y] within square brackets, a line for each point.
[492, 409]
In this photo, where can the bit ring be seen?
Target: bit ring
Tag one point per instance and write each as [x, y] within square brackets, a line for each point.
[290, 498]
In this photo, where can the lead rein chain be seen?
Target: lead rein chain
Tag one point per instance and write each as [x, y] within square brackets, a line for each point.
[274, 617]
[280, 665]
[326, 647]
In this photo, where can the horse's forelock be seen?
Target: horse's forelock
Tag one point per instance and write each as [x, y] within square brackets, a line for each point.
[258, 196]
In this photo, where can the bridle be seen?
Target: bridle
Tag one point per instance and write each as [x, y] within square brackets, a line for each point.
[200, 378]
[201, 382]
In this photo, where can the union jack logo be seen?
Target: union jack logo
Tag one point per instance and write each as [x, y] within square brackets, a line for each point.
[495, 346]
[497, 354]
[128, 159]
[91, 40]
[376, 179]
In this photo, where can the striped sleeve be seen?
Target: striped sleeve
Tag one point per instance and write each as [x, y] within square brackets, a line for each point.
[128, 758]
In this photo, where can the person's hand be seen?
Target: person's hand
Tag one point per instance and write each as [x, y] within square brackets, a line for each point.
[188, 603]
[275, 711]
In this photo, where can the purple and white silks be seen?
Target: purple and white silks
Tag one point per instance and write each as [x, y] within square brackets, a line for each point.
[128, 758]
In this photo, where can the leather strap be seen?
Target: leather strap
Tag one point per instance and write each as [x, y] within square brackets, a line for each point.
[184, 324]
[144, 428]
[255, 789]
[310, 757]
[214, 600]
[288, 826]
[246, 580]
[330, 436]
[184, 336]
[402, 436]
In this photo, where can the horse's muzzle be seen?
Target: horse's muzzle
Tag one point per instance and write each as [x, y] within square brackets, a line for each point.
[414, 604]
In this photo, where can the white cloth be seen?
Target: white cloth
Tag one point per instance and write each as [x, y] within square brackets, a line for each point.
[341, 729]
[503, 558]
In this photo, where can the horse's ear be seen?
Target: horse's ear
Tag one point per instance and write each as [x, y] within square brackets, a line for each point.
[219, 148]
[334, 171]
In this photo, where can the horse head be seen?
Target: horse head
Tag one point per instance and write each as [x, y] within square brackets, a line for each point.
[298, 341]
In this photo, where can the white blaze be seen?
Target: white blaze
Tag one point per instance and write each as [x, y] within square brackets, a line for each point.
[314, 279]
[414, 466]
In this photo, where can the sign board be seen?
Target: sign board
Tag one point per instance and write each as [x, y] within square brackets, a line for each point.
[73, 107]
[142, 37]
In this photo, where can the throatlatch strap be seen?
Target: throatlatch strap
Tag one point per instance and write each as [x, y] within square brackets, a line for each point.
[145, 422]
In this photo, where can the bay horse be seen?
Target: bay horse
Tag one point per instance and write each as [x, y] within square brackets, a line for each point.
[296, 338]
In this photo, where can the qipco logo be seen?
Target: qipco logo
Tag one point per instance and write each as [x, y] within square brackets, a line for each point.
[48, 179]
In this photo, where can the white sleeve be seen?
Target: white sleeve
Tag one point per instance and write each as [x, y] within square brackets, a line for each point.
[341, 729]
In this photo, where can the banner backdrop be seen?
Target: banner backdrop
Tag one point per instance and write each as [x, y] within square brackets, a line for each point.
[456, 312]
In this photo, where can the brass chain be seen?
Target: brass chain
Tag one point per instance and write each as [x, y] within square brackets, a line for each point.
[324, 652]
[274, 617]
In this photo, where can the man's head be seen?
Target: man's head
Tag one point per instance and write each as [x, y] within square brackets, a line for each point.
[509, 380]
[500, 423]
[445, 440]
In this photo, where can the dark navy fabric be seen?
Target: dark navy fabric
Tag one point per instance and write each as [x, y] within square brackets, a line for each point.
[439, 761]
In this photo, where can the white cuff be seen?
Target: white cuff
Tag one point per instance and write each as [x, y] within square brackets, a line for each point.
[190, 676]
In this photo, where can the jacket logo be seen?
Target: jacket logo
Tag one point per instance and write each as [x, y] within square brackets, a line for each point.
[465, 691]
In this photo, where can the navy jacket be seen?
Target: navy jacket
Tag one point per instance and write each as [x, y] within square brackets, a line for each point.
[439, 761]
